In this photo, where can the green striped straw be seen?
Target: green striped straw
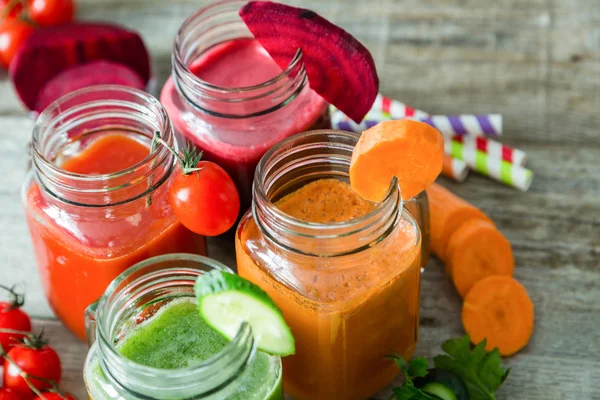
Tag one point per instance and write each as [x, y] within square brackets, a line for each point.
[495, 168]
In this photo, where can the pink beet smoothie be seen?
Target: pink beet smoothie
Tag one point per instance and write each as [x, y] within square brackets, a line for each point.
[237, 144]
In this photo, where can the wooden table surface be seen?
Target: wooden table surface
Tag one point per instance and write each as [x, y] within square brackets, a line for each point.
[537, 62]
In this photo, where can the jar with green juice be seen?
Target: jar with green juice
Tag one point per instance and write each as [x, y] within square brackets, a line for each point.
[148, 341]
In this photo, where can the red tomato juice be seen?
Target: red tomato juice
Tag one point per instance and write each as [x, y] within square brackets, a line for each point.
[80, 250]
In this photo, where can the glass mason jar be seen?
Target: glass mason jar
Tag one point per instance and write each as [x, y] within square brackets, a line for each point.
[348, 290]
[233, 125]
[88, 228]
[238, 371]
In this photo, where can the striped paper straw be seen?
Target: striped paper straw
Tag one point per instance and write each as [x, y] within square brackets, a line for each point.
[494, 149]
[495, 168]
[385, 108]
[459, 125]
[455, 169]
[393, 109]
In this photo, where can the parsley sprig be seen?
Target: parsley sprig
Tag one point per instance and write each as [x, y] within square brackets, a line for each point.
[481, 371]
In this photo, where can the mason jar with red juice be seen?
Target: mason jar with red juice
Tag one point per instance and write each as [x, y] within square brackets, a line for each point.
[96, 199]
[230, 98]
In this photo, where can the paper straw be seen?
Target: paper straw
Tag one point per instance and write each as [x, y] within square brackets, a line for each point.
[467, 124]
[494, 149]
[393, 109]
[455, 169]
[495, 168]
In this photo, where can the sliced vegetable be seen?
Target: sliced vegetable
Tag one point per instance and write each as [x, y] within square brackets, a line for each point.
[475, 251]
[89, 74]
[448, 213]
[49, 51]
[338, 66]
[226, 301]
[498, 312]
[410, 150]
[447, 379]
[439, 390]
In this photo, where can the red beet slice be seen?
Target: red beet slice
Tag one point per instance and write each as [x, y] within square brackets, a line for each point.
[49, 51]
[84, 75]
[338, 66]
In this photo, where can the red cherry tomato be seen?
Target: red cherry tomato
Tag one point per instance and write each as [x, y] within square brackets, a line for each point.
[42, 362]
[14, 12]
[9, 394]
[13, 33]
[51, 12]
[12, 318]
[54, 396]
[206, 201]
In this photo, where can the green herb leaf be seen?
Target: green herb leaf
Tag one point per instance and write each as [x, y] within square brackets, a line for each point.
[409, 392]
[399, 360]
[417, 367]
[481, 371]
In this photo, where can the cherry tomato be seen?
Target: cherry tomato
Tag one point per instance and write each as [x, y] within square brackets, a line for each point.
[42, 362]
[206, 201]
[54, 396]
[9, 394]
[14, 12]
[12, 318]
[51, 12]
[13, 33]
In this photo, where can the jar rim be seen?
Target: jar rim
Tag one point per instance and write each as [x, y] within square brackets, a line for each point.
[244, 333]
[182, 68]
[95, 110]
[46, 117]
[259, 190]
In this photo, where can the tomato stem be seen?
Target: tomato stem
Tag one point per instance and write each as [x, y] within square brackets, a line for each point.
[16, 332]
[188, 160]
[16, 299]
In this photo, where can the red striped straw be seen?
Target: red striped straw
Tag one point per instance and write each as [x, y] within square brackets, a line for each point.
[494, 149]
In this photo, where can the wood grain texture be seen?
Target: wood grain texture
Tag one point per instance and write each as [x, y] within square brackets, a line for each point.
[535, 61]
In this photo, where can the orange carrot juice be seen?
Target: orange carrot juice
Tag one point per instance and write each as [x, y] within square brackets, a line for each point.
[347, 283]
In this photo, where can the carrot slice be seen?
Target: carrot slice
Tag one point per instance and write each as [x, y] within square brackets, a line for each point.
[410, 150]
[475, 251]
[448, 213]
[499, 309]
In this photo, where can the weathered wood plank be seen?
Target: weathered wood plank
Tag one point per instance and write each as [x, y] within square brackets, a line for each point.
[537, 62]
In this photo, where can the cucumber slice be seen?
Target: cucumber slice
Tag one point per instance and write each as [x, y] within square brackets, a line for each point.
[445, 378]
[439, 390]
[226, 300]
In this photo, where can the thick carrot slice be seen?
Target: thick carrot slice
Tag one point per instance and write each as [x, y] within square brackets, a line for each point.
[475, 251]
[499, 309]
[448, 213]
[410, 150]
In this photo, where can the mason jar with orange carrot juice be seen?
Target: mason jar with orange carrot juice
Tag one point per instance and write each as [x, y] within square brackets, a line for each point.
[344, 271]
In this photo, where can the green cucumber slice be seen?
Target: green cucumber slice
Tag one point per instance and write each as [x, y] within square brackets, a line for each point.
[227, 300]
[439, 390]
[446, 378]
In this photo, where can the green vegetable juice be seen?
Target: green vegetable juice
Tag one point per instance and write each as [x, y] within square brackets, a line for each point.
[178, 337]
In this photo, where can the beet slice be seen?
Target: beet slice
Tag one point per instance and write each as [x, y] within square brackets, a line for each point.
[84, 75]
[49, 51]
[338, 66]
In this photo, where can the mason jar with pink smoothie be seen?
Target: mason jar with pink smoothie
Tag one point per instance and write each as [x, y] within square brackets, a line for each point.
[227, 96]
